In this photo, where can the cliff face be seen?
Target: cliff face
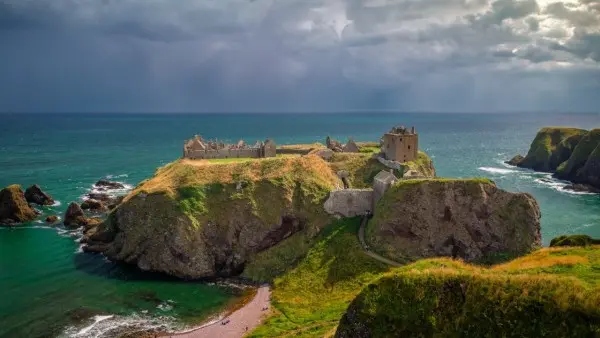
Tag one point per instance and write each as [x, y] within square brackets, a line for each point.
[199, 219]
[572, 154]
[468, 219]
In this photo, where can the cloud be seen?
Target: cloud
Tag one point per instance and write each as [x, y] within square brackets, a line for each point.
[298, 55]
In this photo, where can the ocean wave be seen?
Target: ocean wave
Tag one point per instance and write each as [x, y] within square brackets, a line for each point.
[548, 181]
[114, 326]
[494, 170]
[110, 177]
[56, 204]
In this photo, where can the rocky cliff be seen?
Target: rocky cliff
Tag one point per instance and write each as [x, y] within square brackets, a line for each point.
[571, 154]
[198, 219]
[468, 219]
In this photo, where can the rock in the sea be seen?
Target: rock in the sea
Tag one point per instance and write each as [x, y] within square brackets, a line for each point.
[109, 184]
[74, 216]
[51, 219]
[516, 160]
[100, 197]
[582, 188]
[93, 205]
[467, 219]
[34, 194]
[14, 207]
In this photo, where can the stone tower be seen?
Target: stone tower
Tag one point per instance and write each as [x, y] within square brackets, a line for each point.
[401, 144]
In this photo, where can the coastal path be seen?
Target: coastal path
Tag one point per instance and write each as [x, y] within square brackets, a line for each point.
[239, 323]
[361, 238]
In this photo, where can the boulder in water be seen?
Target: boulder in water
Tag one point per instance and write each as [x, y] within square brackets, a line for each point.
[14, 207]
[109, 184]
[582, 188]
[34, 194]
[51, 219]
[516, 160]
[93, 205]
[100, 197]
[74, 216]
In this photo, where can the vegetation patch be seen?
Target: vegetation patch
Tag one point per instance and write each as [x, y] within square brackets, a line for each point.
[552, 292]
[573, 240]
[310, 299]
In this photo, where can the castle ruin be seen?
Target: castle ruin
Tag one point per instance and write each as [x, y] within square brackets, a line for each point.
[198, 148]
[400, 144]
[336, 146]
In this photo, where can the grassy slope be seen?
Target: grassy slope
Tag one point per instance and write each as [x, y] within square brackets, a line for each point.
[551, 292]
[360, 167]
[310, 299]
[422, 165]
[580, 154]
[550, 141]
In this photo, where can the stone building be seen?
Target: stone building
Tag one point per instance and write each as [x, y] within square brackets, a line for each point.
[349, 147]
[400, 144]
[198, 148]
[382, 181]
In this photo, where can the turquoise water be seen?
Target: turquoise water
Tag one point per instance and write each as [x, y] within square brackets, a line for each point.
[43, 277]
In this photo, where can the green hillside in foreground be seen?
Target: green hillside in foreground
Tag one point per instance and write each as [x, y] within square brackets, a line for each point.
[561, 289]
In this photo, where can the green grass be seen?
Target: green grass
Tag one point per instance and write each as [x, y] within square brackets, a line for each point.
[551, 147]
[580, 155]
[422, 165]
[310, 299]
[573, 240]
[552, 292]
[360, 167]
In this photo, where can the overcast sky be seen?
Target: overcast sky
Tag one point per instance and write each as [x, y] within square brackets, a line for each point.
[299, 55]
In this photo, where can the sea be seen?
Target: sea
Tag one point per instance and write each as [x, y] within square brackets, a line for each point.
[50, 288]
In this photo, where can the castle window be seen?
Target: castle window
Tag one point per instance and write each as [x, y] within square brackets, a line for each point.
[409, 147]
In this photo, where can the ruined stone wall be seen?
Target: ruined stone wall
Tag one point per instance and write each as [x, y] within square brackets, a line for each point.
[224, 153]
[349, 202]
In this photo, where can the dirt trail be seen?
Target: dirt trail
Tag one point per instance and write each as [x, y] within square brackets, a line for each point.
[361, 238]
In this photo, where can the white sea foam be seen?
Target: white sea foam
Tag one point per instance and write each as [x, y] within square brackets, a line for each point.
[56, 204]
[97, 319]
[112, 326]
[110, 177]
[548, 181]
[497, 170]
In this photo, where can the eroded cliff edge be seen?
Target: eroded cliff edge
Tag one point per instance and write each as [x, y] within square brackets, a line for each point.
[471, 219]
[570, 153]
[194, 219]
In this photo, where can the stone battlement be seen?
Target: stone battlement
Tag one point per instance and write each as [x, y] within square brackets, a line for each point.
[198, 148]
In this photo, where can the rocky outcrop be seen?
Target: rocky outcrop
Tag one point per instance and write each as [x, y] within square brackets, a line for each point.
[468, 219]
[349, 202]
[574, 240]
[196, 222]
[74, 216]
[109, 184]
[13, 206]
[35, 195]
[52, 219]
[93, 205]
[571, 154]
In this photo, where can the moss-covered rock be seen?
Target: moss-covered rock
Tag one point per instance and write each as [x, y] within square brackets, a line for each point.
[196, 219]
[573, 240]
[453, 300]
[470, 219]
[14, 207]
[572, 154]
[551, 147]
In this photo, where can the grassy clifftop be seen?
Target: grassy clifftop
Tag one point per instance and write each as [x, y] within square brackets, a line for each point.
[552, 292]
[551, 147]
[202, 219]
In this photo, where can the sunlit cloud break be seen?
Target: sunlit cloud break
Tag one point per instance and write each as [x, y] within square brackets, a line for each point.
[299, 55]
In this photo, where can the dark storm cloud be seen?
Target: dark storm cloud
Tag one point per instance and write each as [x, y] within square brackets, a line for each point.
[266, 55]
